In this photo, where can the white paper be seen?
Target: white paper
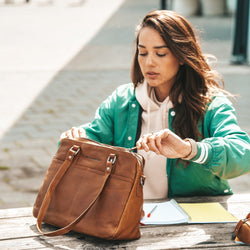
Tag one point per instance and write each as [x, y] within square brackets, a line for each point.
[165, 213]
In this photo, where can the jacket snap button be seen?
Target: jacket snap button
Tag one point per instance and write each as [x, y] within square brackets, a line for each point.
[172, 113]
[129, 138]
[133, 105]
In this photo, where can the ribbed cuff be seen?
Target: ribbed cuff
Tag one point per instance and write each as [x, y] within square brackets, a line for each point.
[202, 153]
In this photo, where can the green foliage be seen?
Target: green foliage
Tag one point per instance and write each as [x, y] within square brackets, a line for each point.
[4, 168]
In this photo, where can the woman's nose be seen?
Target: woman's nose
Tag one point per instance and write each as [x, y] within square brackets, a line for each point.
[150, 60]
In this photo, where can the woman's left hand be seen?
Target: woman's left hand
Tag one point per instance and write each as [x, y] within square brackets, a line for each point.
[74, 133]
[166, 143]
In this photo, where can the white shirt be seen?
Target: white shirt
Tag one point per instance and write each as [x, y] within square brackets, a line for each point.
[154, 118]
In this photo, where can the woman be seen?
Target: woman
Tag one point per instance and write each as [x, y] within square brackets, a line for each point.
[175, 112]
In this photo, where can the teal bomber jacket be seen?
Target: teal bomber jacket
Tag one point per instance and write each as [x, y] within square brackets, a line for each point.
[223, 154]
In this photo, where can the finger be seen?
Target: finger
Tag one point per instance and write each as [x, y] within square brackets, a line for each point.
[64, 135]
[74, 132]
[161, 136]
[82, 133]
[144, 142]
[152, 143]
[164, 134]
[138, 144]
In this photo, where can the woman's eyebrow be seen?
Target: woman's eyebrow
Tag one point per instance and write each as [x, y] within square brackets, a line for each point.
[155, 47]
[160, 47]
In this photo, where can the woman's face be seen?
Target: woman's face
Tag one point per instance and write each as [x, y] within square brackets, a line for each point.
[158, 65]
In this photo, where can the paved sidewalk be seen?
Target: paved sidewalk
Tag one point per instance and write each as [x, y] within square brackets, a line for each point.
[58, 63]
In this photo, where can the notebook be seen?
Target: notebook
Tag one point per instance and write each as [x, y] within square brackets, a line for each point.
[171, 212]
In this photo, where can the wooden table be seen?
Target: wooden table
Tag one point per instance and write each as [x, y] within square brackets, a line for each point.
[18, 231]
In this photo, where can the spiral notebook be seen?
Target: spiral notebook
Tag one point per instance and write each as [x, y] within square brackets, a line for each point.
[171, 212]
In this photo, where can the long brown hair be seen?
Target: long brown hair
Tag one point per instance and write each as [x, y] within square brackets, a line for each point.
[195, 80]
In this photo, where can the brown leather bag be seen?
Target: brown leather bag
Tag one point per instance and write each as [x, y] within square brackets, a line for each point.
[94, 189]
[242, 230]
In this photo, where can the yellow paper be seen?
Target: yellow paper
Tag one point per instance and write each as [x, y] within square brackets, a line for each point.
[211, 212]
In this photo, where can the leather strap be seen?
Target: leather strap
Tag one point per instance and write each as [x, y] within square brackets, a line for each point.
[238, 226]
[60, 173]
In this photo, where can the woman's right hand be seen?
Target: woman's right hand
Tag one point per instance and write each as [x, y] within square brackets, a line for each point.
[74, 133]
[166, 143]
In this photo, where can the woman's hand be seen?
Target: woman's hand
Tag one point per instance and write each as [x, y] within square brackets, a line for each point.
[166, 143]
[74, 133]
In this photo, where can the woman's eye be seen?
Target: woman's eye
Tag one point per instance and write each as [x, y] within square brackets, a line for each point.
[142, 54]
[161, 54]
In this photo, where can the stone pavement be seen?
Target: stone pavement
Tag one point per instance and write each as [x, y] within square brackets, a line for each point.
[59, 62]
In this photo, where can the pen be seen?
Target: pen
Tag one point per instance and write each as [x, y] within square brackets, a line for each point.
[149, 214]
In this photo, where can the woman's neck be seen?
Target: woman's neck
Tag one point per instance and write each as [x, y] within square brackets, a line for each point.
[161, 95]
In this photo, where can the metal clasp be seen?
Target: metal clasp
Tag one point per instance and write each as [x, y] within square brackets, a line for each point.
[131, 149]
[142, 180]
[112, 159]
[76, 151]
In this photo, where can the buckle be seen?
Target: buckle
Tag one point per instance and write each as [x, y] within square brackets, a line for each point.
[76, 151]
[112, 159]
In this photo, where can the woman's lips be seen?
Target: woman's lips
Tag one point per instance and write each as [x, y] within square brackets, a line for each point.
[152, 75]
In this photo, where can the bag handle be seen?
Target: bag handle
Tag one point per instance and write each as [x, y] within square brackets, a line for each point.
[238, 226]
[73, 151]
